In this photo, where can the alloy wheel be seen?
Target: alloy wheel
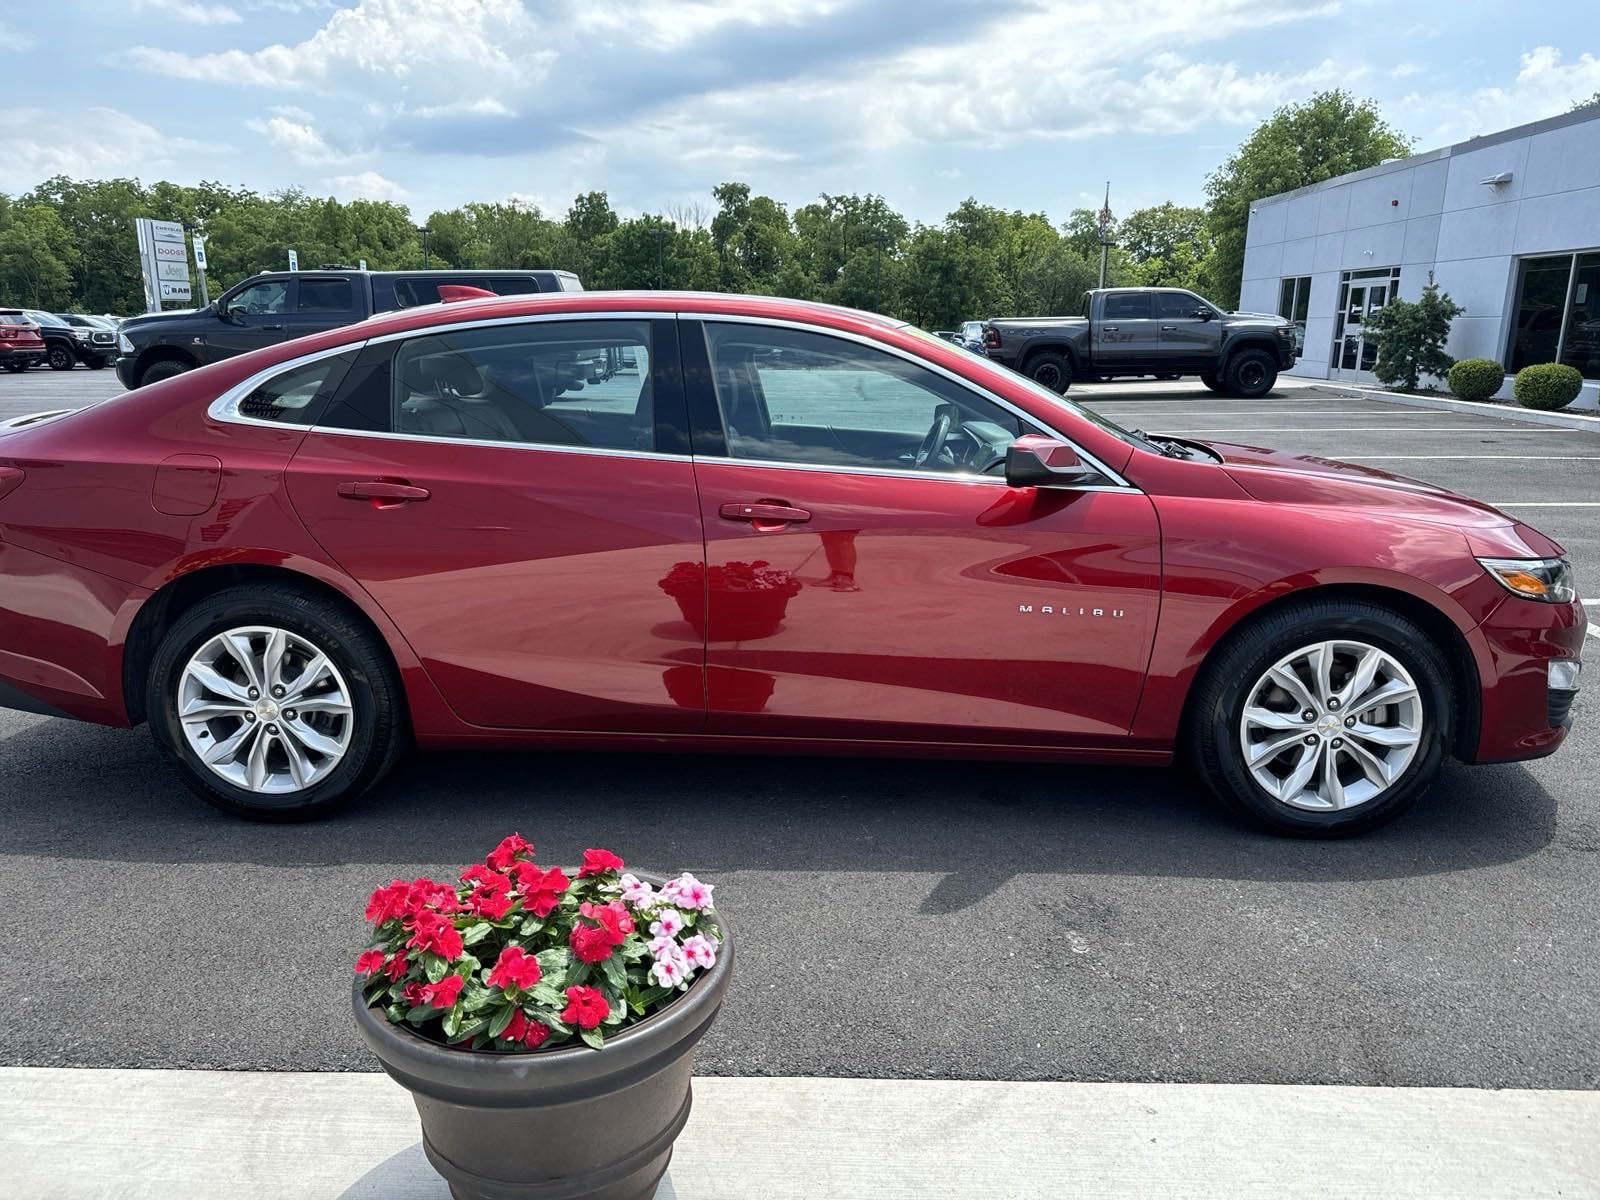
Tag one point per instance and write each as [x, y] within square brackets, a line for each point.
[265, 710]
[1331, 726]
[1251, 375]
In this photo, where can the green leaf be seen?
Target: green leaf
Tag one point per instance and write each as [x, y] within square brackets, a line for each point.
[619, 1010]
[474, 934]
[531, 925]
[592, 1037]
[543, 993]
[434, 967]
[452, 1023]
[616, 975]
[475, 997]
[472, 1028]
[579, 973]
[395, 1013]
[502, 1018]
[653, 995]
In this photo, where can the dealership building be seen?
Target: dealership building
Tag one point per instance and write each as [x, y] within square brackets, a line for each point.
[1508, 225]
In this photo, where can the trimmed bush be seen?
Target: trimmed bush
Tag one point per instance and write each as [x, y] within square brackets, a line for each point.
[1547, 386]
[1476, 378]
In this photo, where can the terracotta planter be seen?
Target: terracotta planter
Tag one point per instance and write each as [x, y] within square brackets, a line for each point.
[566, 1124]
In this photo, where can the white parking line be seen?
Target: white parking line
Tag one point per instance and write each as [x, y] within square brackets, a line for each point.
[1475, 457]
[1364, 429]
[1544, 503]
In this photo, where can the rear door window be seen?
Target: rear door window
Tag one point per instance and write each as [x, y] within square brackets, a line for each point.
[1133, 306]
[325, 295]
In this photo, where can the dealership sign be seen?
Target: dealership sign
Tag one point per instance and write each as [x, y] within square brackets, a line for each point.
[163, 261]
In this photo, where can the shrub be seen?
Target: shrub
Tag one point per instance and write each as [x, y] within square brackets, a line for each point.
[1411, 337]
[1476, 378]
[1547, 386]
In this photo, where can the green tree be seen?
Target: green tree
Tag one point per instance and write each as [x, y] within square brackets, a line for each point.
[1411, 337]
[1592, 102]
[1300, 144]
[36, 256]
[1167, 245]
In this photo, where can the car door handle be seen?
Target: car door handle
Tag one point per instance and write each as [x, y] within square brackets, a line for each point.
[272, 327]
[1169, 329]
[770, 514]
[1111, 329]
[383, 492]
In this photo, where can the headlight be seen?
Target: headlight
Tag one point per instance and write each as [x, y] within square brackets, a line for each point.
[123, 344]
[1548, 579]
[83, 335]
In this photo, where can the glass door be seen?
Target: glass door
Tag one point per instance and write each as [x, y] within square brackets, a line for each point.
[1355, 352]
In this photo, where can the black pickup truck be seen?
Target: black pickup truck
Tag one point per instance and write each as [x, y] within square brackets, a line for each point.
[1147, 331]
[274, 307]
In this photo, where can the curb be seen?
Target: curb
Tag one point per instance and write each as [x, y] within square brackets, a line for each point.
[1506, 412]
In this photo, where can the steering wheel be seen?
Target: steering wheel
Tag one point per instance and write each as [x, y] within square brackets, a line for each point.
[933, 445]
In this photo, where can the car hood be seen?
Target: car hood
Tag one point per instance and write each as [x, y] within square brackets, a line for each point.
[1277, 477]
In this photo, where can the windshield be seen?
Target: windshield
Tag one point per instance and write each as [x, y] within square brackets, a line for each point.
[1131, 437]
[44, 318]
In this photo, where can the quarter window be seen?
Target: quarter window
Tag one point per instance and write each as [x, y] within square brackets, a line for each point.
[552, 383]
[791, 396]
[297, 397]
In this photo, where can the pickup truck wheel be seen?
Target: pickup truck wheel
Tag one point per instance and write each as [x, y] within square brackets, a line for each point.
[1250, 373]
[60, 358]
[1051, 370]
[96, 364]
[165, 369]
[1211, 381]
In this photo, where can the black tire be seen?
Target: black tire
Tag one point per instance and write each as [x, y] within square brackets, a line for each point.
[1250, 374]
[1216, 712]
[165, 369]
[1168, 378]
[95, 364]
[17, 368]
[1211, 381]
[1051, 370]
[60, 358]
[380, 728]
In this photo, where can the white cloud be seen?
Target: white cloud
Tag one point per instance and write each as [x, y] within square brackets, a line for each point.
[1404, 70]
[368, 185]
[189, 12]
[18, 43]
[105, 143]
[1544, 86]
[302, 142]
[672, 24]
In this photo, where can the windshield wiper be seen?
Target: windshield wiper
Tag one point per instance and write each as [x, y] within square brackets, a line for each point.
[1166, 447]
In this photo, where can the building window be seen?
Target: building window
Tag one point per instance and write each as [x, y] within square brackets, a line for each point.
[1294, 301]
[1557, 313]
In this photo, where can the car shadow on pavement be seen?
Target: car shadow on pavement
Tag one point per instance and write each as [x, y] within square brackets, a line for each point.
[79, 791]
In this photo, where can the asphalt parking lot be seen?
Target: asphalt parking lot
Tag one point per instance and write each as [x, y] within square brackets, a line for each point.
[895, 919]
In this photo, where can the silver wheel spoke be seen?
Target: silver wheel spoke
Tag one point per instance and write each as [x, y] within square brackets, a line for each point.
[228, 730]
[1297, 757]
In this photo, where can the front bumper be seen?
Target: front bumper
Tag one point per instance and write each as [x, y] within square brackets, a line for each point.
[127, 371]
[1523, 714]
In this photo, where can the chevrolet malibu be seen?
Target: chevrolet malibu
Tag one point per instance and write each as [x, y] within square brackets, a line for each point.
[693, 522]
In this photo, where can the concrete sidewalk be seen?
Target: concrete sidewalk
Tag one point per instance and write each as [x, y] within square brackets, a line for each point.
[179, 1134]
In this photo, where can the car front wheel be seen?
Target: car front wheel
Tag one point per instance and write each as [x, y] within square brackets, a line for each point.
[274, 704]
[1250, 373]
[1212, 381]
[1051, 370]
[1323, 720]
[60, 359]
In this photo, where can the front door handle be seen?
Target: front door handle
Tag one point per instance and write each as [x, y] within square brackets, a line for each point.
[1111, 329]
[1169, 329]
[383, 492]
[273, 328]
[764, 514]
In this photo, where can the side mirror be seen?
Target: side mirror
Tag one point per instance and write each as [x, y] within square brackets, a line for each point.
[225, 314]
[1038, 461]
[1203, 314]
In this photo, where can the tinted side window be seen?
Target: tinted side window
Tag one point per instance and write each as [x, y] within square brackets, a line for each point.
[520, 285]
[411, 292]
[1177, 305]
[555, 383]
[1134, 306]
[788, 395]
[325, 295]
[264, 299]
[297, 397]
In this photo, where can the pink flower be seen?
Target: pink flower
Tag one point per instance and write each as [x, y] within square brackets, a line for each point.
[668, 922]
[369, 962]
[636, 892]
[514, 968]
[664, 947]
[700, 952]
[668, 972]
[691, 893]
[597, 862]
[443, 994]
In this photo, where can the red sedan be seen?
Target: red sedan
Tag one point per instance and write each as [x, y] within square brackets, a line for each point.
[660, 521]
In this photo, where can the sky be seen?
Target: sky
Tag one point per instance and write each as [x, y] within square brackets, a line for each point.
[1026, 104]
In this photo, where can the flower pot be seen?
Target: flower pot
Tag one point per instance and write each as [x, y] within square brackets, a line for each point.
[566, 1124]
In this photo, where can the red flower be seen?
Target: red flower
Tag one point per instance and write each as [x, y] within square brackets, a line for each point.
[492, 897]
[541, 890]
[613, 918]
[531, 1033]
[591, 943]
[443, 994]
[411, 994]
[389, 902]
[429, 893]
[369, 962]
[503, 855]
[430, 931]
[396, 967]
[515, 968]
[586, 1007]
[596, 862]
[479, 873]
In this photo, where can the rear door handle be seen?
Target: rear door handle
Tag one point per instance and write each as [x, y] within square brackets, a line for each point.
[1169, 329]
[272, 327]
[763, 514]
[1111, 328]
[383, 492]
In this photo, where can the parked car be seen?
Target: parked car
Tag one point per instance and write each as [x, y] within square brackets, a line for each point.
[64, 349]
[279, 306]
[1165, 332]
[970, 337]
[21, 346]
[96, 338]
[788, 528]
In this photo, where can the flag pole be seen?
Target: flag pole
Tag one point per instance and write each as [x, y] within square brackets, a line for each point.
[1105, 242]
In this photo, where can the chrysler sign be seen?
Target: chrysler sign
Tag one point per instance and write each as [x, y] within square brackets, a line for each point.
[163, 261]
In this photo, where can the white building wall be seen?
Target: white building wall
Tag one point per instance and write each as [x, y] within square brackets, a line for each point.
[1433, 213]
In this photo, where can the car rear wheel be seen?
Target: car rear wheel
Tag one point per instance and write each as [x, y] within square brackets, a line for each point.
[1323, 720]
[1250, 373]
[1211, 381]
[60, 359]
[1051, 370]
[275, 705]
[96, 364]
[16, 368]
[165, 369]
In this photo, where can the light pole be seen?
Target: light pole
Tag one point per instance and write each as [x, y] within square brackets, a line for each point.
[424, 231]
[660, 233]
[879, 241]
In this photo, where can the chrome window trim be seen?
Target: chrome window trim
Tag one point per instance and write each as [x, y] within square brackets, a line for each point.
[1119, 482]
[566, 447]
[523, 319]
